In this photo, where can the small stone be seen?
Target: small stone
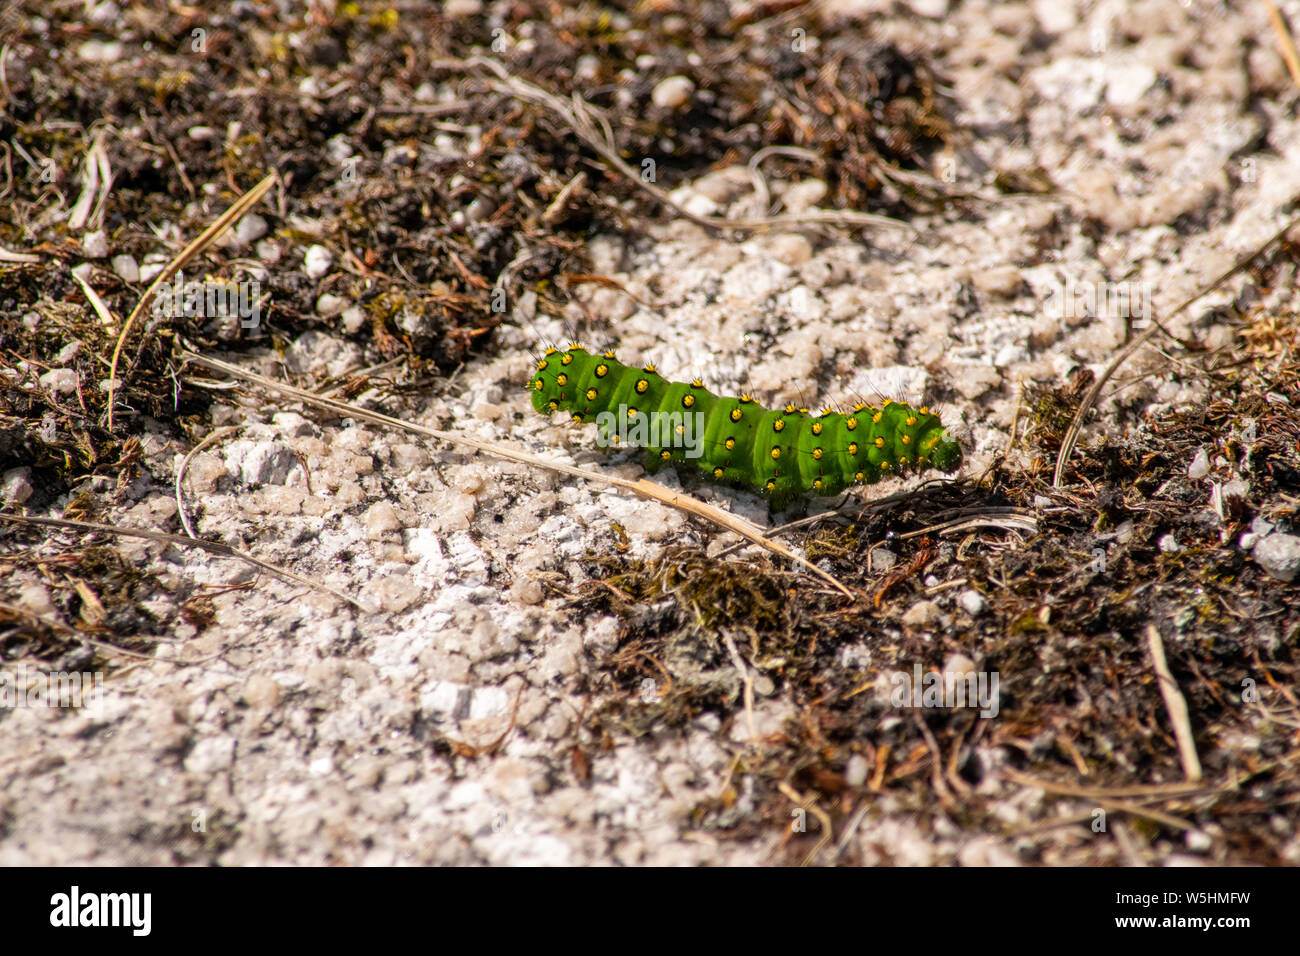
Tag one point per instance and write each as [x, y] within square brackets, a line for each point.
[791, 249]
[36, 598]
[380, 519]
[211, 755]
[250, 228]
[67, 353]
[127, 269]
[456, 9]
[673, 92]
[95, 244]
[316, 261]
[1279, 555]
[329, 305]
[882, 559]
[526, 591]
[259, 463]
[261, 692]
[972, 602]
[1126, 83]
[1042, 501]
[353, 319]
[1258, 529]
[855, 773]
[804, 195]
[1169, 544]
[1002, 281]
[392, 594]
[932, 9]
[16, 486]
[1200, 466]
[101, 51]
[1198, 841]
[922, 614]
[60, 381]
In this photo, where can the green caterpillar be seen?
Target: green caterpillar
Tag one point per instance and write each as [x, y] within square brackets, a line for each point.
[736, 441]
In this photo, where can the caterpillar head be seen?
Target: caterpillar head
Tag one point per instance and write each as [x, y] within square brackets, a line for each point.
[946, 454]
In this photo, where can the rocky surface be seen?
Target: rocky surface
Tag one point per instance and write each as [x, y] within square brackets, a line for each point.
[439, 725]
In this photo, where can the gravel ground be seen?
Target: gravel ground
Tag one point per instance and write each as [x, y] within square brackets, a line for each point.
[446, 723]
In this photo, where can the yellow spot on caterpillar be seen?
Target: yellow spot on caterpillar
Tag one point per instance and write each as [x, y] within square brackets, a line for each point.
[859, 477]
[561, 379]
[853, 448]
[776, 452]
[925, 410]
[771, 485]
[631, 413]
[591, 394]
[860, 406]
[665, 454]
[886, 403]
[907, 439]
[828, 410]
[745, 399]
[880, 443]
[539, 385]
[697, 383]
[551, 351]
[577, 347]
[922, 460]
[789, 409]
[566, 359]
[649, 368]
[816, 428]
[718, 473]
[641, 386]
[817, 454]
[577, 417]
[541, 366]
[609, 354]
[602, 370]
[553, 405]
[688, 401]
[884, 465]
[778, 425]
[911, 420]
[804, 410]
[850, 423]
[817, 484]
[902, 459]
[730, 443]
[737, 414]
[875, 419]
[681, 429]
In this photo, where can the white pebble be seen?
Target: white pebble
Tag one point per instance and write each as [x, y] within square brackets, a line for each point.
[317, 261]
[329, 305]
[127, 269]
[972, 603]
[673, 92]
[95, 244]
[1200, 466]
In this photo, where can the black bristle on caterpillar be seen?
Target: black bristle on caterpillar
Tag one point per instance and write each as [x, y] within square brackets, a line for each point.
[736, 441]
